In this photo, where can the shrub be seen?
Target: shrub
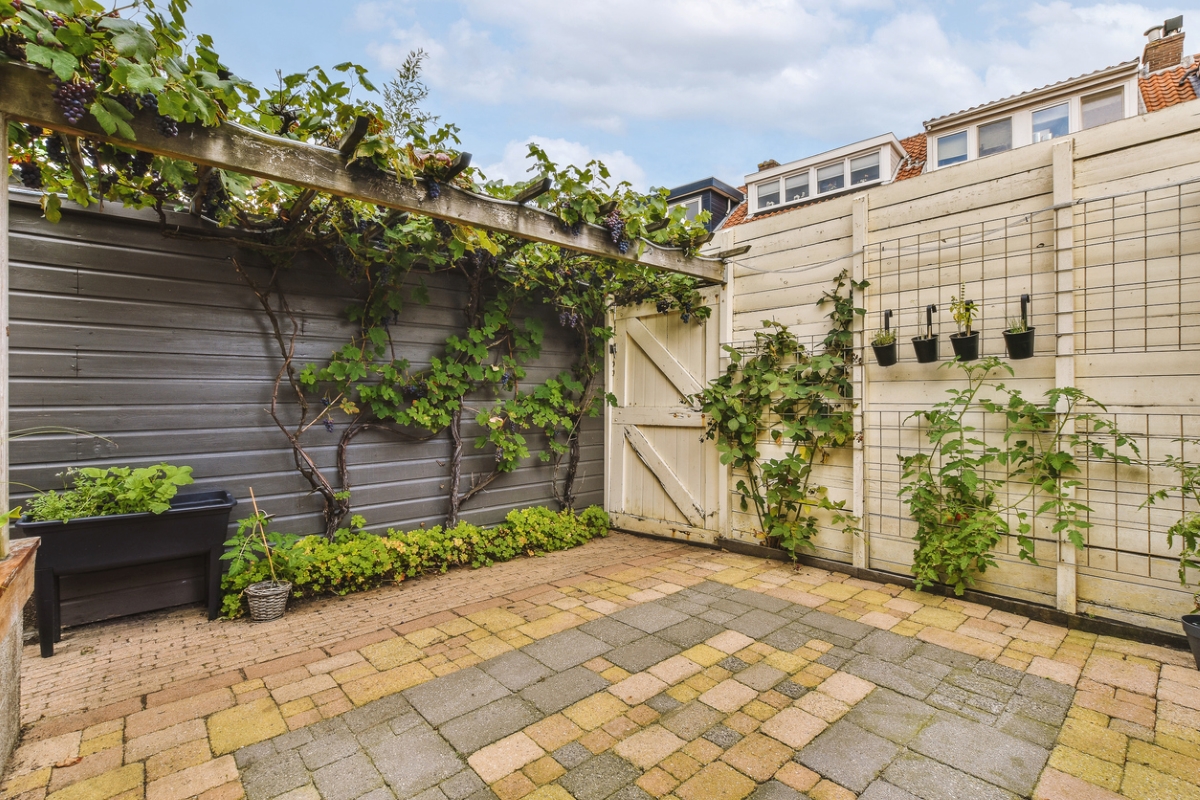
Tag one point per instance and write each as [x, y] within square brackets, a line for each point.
[356, 560]
[116, 490]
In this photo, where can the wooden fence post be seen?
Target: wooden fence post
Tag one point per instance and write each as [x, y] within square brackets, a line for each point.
[1064, 328]
[4, 388]
[725, 471]
[861, 543]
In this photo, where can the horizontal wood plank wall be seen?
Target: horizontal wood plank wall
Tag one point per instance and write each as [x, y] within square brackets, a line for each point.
[988, 226]
[158, 346]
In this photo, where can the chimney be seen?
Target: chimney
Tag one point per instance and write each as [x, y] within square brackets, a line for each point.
[768, 164]
[1164, 46]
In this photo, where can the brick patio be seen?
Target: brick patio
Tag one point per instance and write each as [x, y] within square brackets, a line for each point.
[627, 668]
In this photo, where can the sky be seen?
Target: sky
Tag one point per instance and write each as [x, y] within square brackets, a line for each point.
[666, 92]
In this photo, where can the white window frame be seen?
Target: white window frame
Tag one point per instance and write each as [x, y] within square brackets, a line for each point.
[698, 200]
[1072, 104]
[758, 207]
[937, 147]
[887, 168]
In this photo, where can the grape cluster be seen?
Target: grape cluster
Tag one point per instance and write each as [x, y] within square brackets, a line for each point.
[433, 189]
[140, 165]
[499, 454]
[128, 100]
[414, 391]
[74, 98]
[615, 225]
[328, 423]
[34, 131]
[215, 197]
[506, 379]
[444, 229]
[94, 67]
[663, 306]
[569, 318]
[31, 174]
[623, 246]
[55, 151]
[166, 126]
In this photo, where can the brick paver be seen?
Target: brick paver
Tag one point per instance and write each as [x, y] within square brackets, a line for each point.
[624, 668]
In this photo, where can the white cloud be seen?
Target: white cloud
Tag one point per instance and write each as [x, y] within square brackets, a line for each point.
[514, 165]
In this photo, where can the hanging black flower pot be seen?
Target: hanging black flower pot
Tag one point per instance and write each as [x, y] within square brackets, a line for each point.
[885, 354]
[966, 345]
[926, 348]
[1191, 626]
[1019, 345]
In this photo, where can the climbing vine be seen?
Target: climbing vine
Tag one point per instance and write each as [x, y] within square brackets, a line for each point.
[780, 397]
[962, 491]
[116, 64]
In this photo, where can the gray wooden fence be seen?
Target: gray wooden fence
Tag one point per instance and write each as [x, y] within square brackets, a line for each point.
[158, 345]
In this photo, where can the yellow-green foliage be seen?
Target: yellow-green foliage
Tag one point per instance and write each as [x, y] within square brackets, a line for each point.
[355, 559]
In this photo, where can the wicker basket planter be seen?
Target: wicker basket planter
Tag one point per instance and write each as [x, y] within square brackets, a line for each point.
[267, 599]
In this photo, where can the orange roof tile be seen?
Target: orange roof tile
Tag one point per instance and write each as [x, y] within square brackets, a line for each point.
[1163, 89]
[910, 167]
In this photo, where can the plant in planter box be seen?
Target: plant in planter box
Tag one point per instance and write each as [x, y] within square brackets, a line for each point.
[1187, 530]
[250, 548]
[1018, 338]
[116, 490]
[966, 341]
[926, 347]
[884, 342]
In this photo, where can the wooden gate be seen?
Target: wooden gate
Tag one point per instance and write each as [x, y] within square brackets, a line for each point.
[663, 476]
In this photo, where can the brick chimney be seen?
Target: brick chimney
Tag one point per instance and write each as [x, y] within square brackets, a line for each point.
[1163, 52]
[770, 162]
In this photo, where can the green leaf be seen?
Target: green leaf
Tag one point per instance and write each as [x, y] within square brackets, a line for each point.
[131, 39]
[52, 207]
[60, 61]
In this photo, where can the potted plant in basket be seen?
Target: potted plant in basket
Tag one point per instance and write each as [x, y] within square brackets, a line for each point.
[1018, 339]
[1187, 530]
[249, 548]
[884, 342]
[966, 341]
[926, 346]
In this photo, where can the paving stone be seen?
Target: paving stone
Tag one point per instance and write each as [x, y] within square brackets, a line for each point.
[793, 611]
[896, 678]
[327, 727]
[793, 690]
[761, 676]
[690, 632]
[999, 672]
[836, 657]
[774, 790]
[328, 749]
[631, 793]
[890, 715]
[714, 588]
[690, 593]
[663, 703]
[732, 664]
[414, 761]
[717, 616]
[599, 777]
[567, 649]
[648, 747]
[1046, 691]
[429, 794]
[645, 652]
[889, 646]
[254, 753]
[786, 639]
[559, 691]
[455, 694]
[722, 737]
[403, 722]
[848, 755]
[882, 790]
[1037, 710]
[977, 684]
[925, 666]
[273, 776]
[515, 669]
[375, 712]
[1030, 730]
[930, 780]
[983, 752]
[944, 701]
[759, 600]
[462, 785]
[757, 623]
[297, 738]
[732, 607]
[692, 720]
[347, 779]
[571, 755]
[649, 617]
[493, 722]
[484, 794]
[842, 627]
[942, 655]
[384, 793]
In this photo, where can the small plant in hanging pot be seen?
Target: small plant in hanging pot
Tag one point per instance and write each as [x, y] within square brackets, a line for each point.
[884, 342]
[1187, 530]
[966, 341]
[926, 347]
[249, 549]
[1018, 338]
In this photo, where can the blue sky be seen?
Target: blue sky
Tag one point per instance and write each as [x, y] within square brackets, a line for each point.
[670, 91]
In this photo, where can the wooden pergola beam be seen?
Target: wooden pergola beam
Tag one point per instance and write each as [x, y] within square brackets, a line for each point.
[25, 96]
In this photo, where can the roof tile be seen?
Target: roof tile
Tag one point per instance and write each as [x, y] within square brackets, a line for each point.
[1167, 88]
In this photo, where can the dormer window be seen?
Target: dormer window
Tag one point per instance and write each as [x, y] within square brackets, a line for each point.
[691, 208]
[995, 137]
[1050, 123]
[768, 194]
[796, 187]
[952, 149]
[831, 178]
[1103, 107]
[864, 169]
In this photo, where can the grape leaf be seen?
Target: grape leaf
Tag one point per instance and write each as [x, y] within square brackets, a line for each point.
[130, 39]
[63, 63]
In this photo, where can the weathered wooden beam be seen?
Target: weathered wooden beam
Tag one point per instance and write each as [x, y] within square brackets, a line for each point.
[25, 95]
[354, 136]
[534, 190]
[4, 387]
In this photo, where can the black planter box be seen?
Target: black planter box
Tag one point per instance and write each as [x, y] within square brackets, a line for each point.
[926, 349]
[885, 354]
[966, 345]
[197, 524]
[1019, 345]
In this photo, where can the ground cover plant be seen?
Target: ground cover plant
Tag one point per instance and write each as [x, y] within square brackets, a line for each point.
[109, 65]
[354, 559]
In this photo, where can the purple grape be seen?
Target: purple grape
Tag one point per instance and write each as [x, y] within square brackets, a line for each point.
[31, 175]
